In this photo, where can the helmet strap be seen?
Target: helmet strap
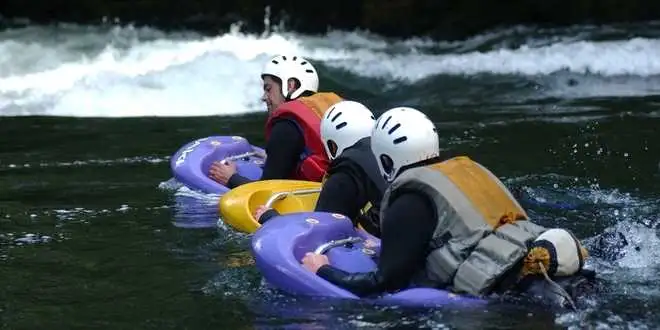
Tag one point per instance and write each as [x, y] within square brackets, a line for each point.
[421, 163]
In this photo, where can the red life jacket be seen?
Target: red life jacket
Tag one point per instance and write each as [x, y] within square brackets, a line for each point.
[307, 113]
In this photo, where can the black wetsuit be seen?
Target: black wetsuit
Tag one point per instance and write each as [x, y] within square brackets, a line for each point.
[405, 232]
[284, 147]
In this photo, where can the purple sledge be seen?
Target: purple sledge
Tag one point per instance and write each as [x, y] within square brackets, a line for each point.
[190, 164]
[280, 244]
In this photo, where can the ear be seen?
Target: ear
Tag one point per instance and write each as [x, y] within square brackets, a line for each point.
[292, 85]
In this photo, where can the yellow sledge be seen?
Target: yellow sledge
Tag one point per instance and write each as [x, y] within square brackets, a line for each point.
[237, 206]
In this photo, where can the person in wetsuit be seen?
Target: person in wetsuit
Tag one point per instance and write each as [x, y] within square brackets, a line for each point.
[293, 143]
[450, 224]
[353, 185]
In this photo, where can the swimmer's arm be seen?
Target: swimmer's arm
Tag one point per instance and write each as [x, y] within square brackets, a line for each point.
[341, 194]
[360, 284]
[269, 214]
[237, 180]
[407, 229]
[283, 148]
[338, 195]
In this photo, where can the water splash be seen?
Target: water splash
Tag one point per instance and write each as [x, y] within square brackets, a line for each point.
[129, 72]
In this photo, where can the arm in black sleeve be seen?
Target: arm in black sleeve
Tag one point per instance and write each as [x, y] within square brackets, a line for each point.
[269, 214]
[407, 229]
[283, 150]
[341, 194]
[237, 180]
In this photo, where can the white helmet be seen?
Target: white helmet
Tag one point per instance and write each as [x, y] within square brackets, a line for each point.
[287, 67]
[344, 124]
[403, 136]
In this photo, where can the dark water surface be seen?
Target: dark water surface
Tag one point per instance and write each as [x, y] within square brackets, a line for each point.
[87, 234]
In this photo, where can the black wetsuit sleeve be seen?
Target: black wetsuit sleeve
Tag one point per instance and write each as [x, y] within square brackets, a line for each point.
[237, 180]
[341, 194]
[407, 228]
[283, 150]
[269, 214]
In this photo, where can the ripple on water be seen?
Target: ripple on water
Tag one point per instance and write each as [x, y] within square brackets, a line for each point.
[76, 163]
[62, 217]
[192, 208]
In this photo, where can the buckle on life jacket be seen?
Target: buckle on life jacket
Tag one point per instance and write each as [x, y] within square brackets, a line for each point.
[439, 242]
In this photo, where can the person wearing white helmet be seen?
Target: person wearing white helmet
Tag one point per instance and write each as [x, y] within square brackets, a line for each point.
[293, 139]
[352, 186]
[451, 223]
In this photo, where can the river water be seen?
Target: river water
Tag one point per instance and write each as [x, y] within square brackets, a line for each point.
[93, 231]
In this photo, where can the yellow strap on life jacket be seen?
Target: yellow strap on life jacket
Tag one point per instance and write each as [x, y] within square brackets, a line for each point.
[319, 103]
[488, 196]
[366, 208]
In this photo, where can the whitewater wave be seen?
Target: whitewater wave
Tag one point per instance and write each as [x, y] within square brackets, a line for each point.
[129, 72]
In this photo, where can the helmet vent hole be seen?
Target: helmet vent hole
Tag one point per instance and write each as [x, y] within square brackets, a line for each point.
[400, 139]
[303, 62]
[295, 58]
[284, 58]
[330, 112]
[342, 125]
[309, 71]
[394, 129]
[386, 121]
[332, 147]
[275, 62]
[336, 116]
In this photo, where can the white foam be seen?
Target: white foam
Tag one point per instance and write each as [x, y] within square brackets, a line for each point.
[127, 76]
[630, 57]
[644, 238]
[32, 239]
